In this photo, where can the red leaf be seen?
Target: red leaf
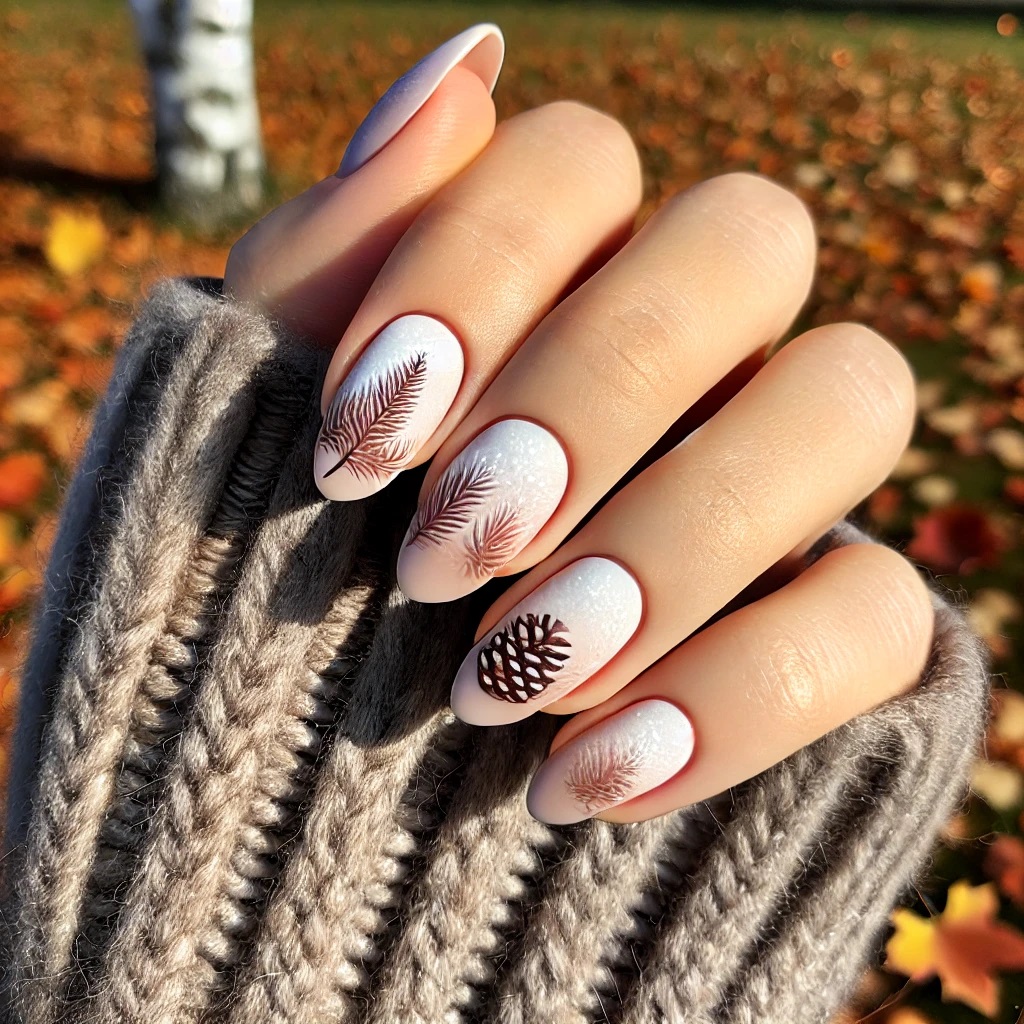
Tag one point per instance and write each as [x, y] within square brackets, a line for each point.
[956, 539]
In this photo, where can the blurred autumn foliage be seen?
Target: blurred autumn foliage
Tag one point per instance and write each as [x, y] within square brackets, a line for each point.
[911, 158]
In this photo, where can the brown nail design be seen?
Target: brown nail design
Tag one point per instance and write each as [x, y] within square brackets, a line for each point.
[485, 508]
[603, 776]
[451, 505]
[632, 752]
[364, 430]
[521, 660]
[388, 405]
[553, 640]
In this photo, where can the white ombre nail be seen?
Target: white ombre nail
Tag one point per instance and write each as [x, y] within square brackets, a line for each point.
[626, 755]
[554, 639]
[485, 508]
[390, 403]
[481, 49]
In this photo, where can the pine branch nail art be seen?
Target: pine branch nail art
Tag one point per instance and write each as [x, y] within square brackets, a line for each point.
[620, 758]
[451, 504]
[364, 429]
[495, 540]
[523, 659]
[388, 405]
[486, 507]
[604, 776]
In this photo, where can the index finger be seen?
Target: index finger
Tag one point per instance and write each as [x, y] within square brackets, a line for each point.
[310, 261]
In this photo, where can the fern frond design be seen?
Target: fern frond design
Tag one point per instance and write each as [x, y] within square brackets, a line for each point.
[494, 541]
[364, 428]
[603, 776]
[451, 504]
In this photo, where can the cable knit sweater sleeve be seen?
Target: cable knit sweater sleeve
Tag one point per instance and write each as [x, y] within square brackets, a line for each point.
[238, 796]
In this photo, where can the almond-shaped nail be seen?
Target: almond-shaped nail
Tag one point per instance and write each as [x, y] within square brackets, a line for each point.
[555, 638]
[481, 49]
[483, 510]
[390, 403]
[626, 755]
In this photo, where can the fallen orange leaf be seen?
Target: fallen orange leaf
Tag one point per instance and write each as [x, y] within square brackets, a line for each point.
[22, 475]
[982, 282]
[15, 586]
[963, 947]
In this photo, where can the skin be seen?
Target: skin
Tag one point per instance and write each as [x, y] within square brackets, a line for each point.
[520, 240]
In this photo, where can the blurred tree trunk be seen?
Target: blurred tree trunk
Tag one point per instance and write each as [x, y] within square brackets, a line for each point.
[208, 150]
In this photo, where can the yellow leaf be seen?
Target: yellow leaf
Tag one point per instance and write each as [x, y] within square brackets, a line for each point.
[911, 950]
[38, 405]
[1008, 723]
[964, 946]
[967, 902]
[74, 242]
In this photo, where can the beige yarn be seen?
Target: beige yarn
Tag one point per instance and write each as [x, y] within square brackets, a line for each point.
[238, 794]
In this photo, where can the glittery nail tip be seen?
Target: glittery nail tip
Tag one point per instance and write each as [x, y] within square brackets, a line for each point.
[628, 754]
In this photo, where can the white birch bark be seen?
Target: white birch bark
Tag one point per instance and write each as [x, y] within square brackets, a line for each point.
[200, 60]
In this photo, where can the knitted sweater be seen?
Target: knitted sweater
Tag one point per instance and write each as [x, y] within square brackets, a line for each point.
[238, 794]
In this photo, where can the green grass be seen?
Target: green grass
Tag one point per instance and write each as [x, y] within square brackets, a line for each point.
[334, 24]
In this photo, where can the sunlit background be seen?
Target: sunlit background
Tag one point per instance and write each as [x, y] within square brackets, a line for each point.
[903, 132]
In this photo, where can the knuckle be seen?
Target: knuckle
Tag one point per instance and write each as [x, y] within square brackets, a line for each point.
[790, 683]
[505, 225]
[731, 511]
[511, 219]
[633, 338]
[868, 379]
[765, 234]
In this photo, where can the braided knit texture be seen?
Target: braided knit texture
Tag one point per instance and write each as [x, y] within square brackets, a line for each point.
[238, 795]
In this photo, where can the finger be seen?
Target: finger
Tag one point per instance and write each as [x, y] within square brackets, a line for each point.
[310, 261]
[853, 631]
[814, 432]
[712, 277]
[477, 270]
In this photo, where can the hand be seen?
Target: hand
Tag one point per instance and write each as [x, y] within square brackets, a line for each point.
[498, 316]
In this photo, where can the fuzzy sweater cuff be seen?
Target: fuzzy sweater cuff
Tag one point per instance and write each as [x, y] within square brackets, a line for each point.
[238, 795]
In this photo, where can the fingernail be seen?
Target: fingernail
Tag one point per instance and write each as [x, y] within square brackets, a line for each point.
[390, 403]
[626, 755]
[554, 639]
[481, 49]
[486, 507]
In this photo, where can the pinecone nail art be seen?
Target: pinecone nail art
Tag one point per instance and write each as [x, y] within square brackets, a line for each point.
[392, 400]
[520, 661]
[554, 639]
[629, 753]
[483, 510]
